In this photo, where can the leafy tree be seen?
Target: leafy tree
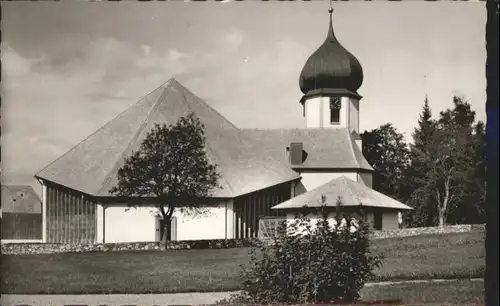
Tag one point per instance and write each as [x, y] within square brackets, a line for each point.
[386, 151]
[469, 208]
[472, 210]
[479, 175]
[306, 263]
[171, 165]
[449, 158]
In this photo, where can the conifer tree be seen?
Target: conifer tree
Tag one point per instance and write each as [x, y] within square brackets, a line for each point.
[445, 167]
[426, 126]
[423, 213]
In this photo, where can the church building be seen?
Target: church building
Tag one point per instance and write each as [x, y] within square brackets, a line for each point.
[264, 172]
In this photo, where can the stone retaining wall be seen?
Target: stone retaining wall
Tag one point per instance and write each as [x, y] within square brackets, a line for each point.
[49, 248]
[408, 232]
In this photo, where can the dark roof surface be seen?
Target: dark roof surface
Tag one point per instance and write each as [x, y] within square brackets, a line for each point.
[20, 199]
[331, 66]
[352, 194]
[92, 165]
[325, 148]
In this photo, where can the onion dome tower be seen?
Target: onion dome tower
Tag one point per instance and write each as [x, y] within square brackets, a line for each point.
[329, 81]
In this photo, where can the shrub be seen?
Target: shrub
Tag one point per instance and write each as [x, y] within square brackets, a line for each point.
[307, 263]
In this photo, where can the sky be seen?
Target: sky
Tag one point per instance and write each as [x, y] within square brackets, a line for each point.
[68, 68]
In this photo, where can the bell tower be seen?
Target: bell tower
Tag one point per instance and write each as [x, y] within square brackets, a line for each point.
[329, 81]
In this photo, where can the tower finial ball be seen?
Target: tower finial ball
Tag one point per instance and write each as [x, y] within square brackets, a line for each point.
[330, 10]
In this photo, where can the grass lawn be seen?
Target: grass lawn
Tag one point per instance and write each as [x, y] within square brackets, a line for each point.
[456, 292]
[459, 255]
[461, 292]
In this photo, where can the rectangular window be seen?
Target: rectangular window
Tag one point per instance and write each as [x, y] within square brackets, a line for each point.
[335, 105]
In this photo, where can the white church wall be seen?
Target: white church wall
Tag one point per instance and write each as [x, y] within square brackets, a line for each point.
[313, 112]
[353, 114]
[123, 224]
[317, 113]
[100, 223]
[390, 220]
[312, 180]
[209, 225]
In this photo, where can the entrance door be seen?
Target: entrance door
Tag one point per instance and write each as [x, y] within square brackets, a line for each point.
[160, 229]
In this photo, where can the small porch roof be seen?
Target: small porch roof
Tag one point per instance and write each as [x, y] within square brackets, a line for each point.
[350, 192]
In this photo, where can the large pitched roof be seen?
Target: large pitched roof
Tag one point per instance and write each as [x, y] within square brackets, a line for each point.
[20, 199]
[352, 194]
[325, 148]
[92, 165]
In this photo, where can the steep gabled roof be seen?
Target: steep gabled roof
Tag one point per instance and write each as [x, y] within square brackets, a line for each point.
[20, 199]
[92, 165]
[352, 194]
[324, 148]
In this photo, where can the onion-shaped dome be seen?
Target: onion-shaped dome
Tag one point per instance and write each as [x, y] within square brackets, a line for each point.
[331, 66]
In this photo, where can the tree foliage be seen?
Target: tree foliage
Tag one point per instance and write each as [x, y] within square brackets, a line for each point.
[426, 126]
[445, 165]
[387, 152]
[441, 174]
[171, 166]
[323, 263]
[424, 213]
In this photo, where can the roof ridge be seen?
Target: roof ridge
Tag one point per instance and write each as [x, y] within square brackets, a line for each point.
[354, 196]
[351, 147]
[132, 140]
[205, 103]
[213, 109]
[207, 145]
[355, 148]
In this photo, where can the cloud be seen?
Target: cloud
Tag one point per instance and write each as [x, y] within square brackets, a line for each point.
[175, 55]
[234, 38]
[43, 102]
[146, 50]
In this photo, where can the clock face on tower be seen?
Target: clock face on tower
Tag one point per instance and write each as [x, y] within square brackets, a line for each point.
[334, 102]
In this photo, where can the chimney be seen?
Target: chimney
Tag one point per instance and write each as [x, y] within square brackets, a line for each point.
[296, 153]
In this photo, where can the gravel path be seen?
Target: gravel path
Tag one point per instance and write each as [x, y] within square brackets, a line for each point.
[195, 298]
